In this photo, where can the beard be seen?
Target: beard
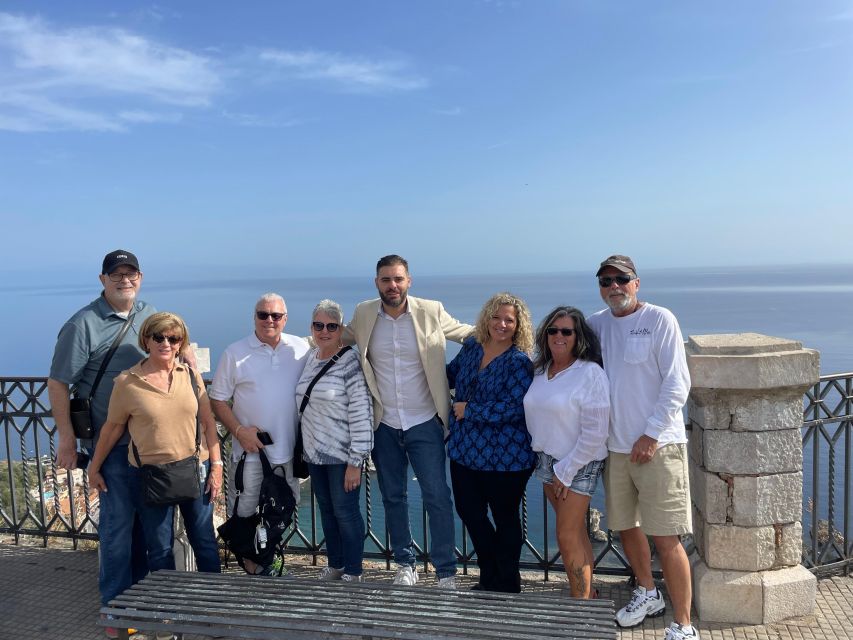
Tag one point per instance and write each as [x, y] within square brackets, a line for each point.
[393, 303]
[621, 303]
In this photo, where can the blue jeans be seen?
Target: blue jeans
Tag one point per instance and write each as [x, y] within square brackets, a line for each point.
[343, 525]
[121, 550]
[423, 447]
[160, 536]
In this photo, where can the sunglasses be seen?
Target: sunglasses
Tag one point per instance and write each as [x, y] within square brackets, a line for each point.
[331, 326]
[159, 337]
[622, 278]
[552, 331]
[263, 315]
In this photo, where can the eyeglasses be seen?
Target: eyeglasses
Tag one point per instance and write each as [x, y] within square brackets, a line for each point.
[552, 331]
[622, 278]
[331, 326]
[263, 315]
[132, 276]
[159, 337]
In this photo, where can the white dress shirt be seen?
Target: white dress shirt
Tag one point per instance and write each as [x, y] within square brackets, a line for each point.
[400, 377]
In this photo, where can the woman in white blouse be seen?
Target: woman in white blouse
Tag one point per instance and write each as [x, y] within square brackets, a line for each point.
[567, 409]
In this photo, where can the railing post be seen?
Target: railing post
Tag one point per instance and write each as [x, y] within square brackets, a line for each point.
[746, 461]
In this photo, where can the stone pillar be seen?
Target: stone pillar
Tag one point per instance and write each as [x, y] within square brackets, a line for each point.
[746, 461]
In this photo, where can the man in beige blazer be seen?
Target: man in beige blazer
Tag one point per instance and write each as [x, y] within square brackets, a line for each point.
[402, 342]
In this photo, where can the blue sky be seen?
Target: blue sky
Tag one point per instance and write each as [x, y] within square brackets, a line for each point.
[470, 136]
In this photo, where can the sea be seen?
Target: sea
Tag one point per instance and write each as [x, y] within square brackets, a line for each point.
[812, 304]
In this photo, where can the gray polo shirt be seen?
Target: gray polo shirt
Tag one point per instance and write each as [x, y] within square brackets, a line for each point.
[84, 341]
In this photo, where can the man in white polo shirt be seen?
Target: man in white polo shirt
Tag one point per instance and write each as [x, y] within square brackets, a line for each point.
[259, 375]
[648, 492]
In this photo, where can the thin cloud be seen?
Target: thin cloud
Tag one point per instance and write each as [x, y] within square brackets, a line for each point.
[52, 73]
[255, 120]
[453, 111]
[149, 117]
[353, 73]
[844, 16]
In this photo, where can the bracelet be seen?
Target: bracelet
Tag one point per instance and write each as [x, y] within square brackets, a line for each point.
[237, 430]
[217, 462]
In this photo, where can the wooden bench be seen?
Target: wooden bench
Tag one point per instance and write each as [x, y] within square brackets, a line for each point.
[240, 606]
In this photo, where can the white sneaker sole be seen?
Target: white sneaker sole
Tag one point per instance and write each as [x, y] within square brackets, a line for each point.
[654, 614]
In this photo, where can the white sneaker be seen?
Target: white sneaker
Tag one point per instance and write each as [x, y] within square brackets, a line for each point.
[448, 582]
[330, 573]
[641, 607]
[348, 577]
[676, 632]
[406, 575]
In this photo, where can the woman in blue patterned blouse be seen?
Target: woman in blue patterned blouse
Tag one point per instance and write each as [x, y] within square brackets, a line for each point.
[489, 446]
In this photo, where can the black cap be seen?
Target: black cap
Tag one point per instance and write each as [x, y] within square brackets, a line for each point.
[623, 263]
[115, 259]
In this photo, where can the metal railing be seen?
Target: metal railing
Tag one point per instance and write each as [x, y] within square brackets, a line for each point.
[827, 459]
[39, 500]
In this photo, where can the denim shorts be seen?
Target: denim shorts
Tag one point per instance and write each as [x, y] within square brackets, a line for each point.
[585, 480]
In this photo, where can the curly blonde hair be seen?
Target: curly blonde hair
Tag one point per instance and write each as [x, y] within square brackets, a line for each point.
[523, 338]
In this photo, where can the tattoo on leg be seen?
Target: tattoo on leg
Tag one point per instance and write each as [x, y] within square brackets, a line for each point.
[577, 579]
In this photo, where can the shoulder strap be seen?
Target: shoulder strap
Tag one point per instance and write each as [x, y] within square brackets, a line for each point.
[197, 425]
[322, 372]
[113, 347]
[238, 483]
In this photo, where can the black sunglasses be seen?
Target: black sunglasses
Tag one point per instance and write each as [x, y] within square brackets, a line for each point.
[552, 331]
[159, 337]
[622, 278]
[331, 326]
[263, 315]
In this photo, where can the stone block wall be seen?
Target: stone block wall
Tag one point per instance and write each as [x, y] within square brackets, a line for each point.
[745, 414]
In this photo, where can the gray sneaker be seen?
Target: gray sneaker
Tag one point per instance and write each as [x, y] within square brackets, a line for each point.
[448, 582]
[330, 573]
[640, 607]
[406, 575]
[348, 577]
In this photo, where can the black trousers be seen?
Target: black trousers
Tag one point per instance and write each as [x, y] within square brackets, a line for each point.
[498, 545]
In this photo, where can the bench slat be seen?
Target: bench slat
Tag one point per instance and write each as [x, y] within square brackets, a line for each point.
[303, 609]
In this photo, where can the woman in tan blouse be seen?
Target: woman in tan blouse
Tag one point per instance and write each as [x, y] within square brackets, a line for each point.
[155, 399]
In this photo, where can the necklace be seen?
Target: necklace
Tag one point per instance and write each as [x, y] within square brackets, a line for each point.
[553, 369]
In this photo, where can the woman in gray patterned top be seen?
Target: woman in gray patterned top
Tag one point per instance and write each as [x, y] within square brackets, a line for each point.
[337, 433]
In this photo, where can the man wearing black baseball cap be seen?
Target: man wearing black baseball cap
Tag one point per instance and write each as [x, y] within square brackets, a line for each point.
[81, 348]
[646, 481]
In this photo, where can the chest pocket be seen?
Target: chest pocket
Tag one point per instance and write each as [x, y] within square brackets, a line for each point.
[637, 350]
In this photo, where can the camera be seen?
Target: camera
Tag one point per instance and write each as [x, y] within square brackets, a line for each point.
[264, 438]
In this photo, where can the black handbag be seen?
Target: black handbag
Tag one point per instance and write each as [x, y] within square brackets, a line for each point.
[172, 482]
[258, 537]
[300, 467]
[81, 416]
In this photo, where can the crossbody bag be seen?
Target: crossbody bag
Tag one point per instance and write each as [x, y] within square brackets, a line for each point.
[172, 482]
[300, 467]
[81, 408]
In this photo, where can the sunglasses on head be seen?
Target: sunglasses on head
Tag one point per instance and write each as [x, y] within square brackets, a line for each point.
[159, 337]
[622, 278]
[552, 331]
[331, 326]
[263, 315]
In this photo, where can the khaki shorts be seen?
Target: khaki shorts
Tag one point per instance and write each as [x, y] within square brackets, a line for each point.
[654, 496]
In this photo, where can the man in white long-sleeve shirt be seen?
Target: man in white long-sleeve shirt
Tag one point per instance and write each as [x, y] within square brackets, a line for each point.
[648, 491]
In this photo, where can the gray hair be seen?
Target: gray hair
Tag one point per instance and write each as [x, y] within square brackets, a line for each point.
[271, 297]
[331, 309]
